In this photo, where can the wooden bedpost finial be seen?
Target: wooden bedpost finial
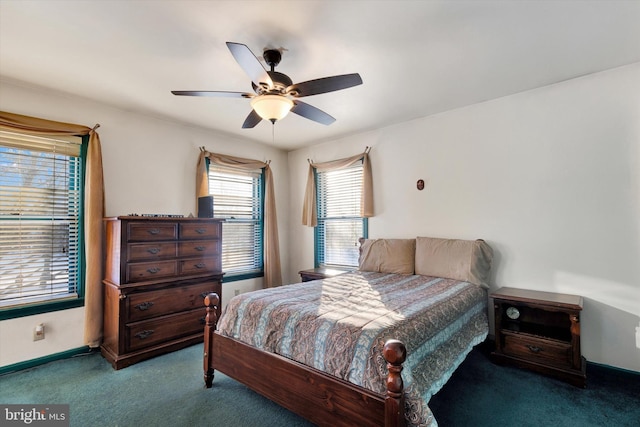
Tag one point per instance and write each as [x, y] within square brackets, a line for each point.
[211, 301]
[395, 353]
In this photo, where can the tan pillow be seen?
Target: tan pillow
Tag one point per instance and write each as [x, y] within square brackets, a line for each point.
[466, 260]
[388, 255]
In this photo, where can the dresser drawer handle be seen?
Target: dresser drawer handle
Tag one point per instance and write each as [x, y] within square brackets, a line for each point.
[200, 248]
[153, 231]
[200, 265]
[143, 306]
[144, 334]
[153, 270]
[204, 294]
[534, 349]
[201, 230]
[202, 321]
[153, 251]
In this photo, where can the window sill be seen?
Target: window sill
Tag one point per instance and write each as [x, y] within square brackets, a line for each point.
[234, 277]
[14, 312]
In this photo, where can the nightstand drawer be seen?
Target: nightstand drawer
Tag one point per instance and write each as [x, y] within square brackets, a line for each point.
[548, 352]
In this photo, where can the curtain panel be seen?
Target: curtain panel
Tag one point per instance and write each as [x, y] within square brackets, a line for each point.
[272, 269]
[309, 208]
[93, 210]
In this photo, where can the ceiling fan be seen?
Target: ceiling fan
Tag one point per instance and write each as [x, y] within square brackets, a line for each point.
[275, 93]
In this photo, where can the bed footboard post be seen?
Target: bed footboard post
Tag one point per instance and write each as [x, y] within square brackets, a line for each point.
[211, 301]
[395, 353]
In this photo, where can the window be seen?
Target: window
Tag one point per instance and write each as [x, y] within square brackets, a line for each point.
[238, 198]
[339, 222]
[41, 188]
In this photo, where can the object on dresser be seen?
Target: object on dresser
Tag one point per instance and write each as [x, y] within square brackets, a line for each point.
[157, 215]
[539, 331]
[157, 272]
[205, 207]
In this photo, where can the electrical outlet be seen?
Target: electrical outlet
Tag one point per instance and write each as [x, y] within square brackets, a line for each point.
[38, 332]
[236, 292]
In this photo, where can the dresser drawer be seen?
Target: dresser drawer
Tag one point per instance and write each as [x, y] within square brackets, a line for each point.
[195, 248]
[199, 231]
[149, 332]
[200, 266]
[151, 270]
[145, 305]
[148, 251]
[152, 231]
[548, 352]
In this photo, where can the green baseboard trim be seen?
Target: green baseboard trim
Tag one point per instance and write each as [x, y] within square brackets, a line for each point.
[614, 368]
[46, 359]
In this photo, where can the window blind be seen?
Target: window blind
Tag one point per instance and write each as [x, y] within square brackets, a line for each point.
[40, 211]
[339, 222]
[237, 197]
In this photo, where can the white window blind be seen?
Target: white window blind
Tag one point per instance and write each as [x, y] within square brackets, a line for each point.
[237, 197]
[339, 222]
[40, 213]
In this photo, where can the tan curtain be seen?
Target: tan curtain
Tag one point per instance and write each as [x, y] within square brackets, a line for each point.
[93, 210]
[272, 269]
[309, 208]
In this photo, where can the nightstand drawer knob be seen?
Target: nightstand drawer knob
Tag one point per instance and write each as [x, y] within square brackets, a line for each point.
[534, 349]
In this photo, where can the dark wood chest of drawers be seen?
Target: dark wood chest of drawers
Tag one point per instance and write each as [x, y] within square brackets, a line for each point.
[539, 331]
[157, 273]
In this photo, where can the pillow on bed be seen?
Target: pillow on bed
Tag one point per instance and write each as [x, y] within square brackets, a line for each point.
[466, 260]
[387, 255]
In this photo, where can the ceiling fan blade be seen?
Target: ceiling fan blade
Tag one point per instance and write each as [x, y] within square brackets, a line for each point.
[250, 64]
[252, 120]
[212, 93]
[324, 85]
[312, 113]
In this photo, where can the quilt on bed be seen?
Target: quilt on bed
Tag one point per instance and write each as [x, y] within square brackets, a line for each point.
[339, 325]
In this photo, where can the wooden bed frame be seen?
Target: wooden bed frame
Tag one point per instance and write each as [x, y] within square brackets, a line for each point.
[323, 399]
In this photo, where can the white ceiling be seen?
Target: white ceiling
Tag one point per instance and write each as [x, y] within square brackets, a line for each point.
[416, 58]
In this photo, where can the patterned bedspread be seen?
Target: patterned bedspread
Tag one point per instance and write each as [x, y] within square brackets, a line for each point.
[340, 325]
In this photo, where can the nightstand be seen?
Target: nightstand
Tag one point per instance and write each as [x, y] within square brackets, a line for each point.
[319, 273]
[539, 331]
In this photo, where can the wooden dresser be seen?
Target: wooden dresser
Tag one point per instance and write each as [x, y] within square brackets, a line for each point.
[157, 273]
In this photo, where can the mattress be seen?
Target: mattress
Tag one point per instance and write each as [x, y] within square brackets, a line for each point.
[339, 325]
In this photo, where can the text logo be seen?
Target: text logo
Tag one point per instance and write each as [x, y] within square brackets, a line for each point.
[35, 415]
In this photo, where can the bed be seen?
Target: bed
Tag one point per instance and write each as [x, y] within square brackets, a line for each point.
[368, 347]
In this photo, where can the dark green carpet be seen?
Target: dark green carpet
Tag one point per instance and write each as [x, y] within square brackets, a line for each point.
[168, 391]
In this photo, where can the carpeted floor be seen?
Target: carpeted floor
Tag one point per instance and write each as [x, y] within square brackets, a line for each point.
[168, 391]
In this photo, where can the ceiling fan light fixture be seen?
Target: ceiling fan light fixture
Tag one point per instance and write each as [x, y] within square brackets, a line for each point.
[272, 107]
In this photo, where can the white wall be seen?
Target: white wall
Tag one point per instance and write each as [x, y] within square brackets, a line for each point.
[548, 177]
[149, 167]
